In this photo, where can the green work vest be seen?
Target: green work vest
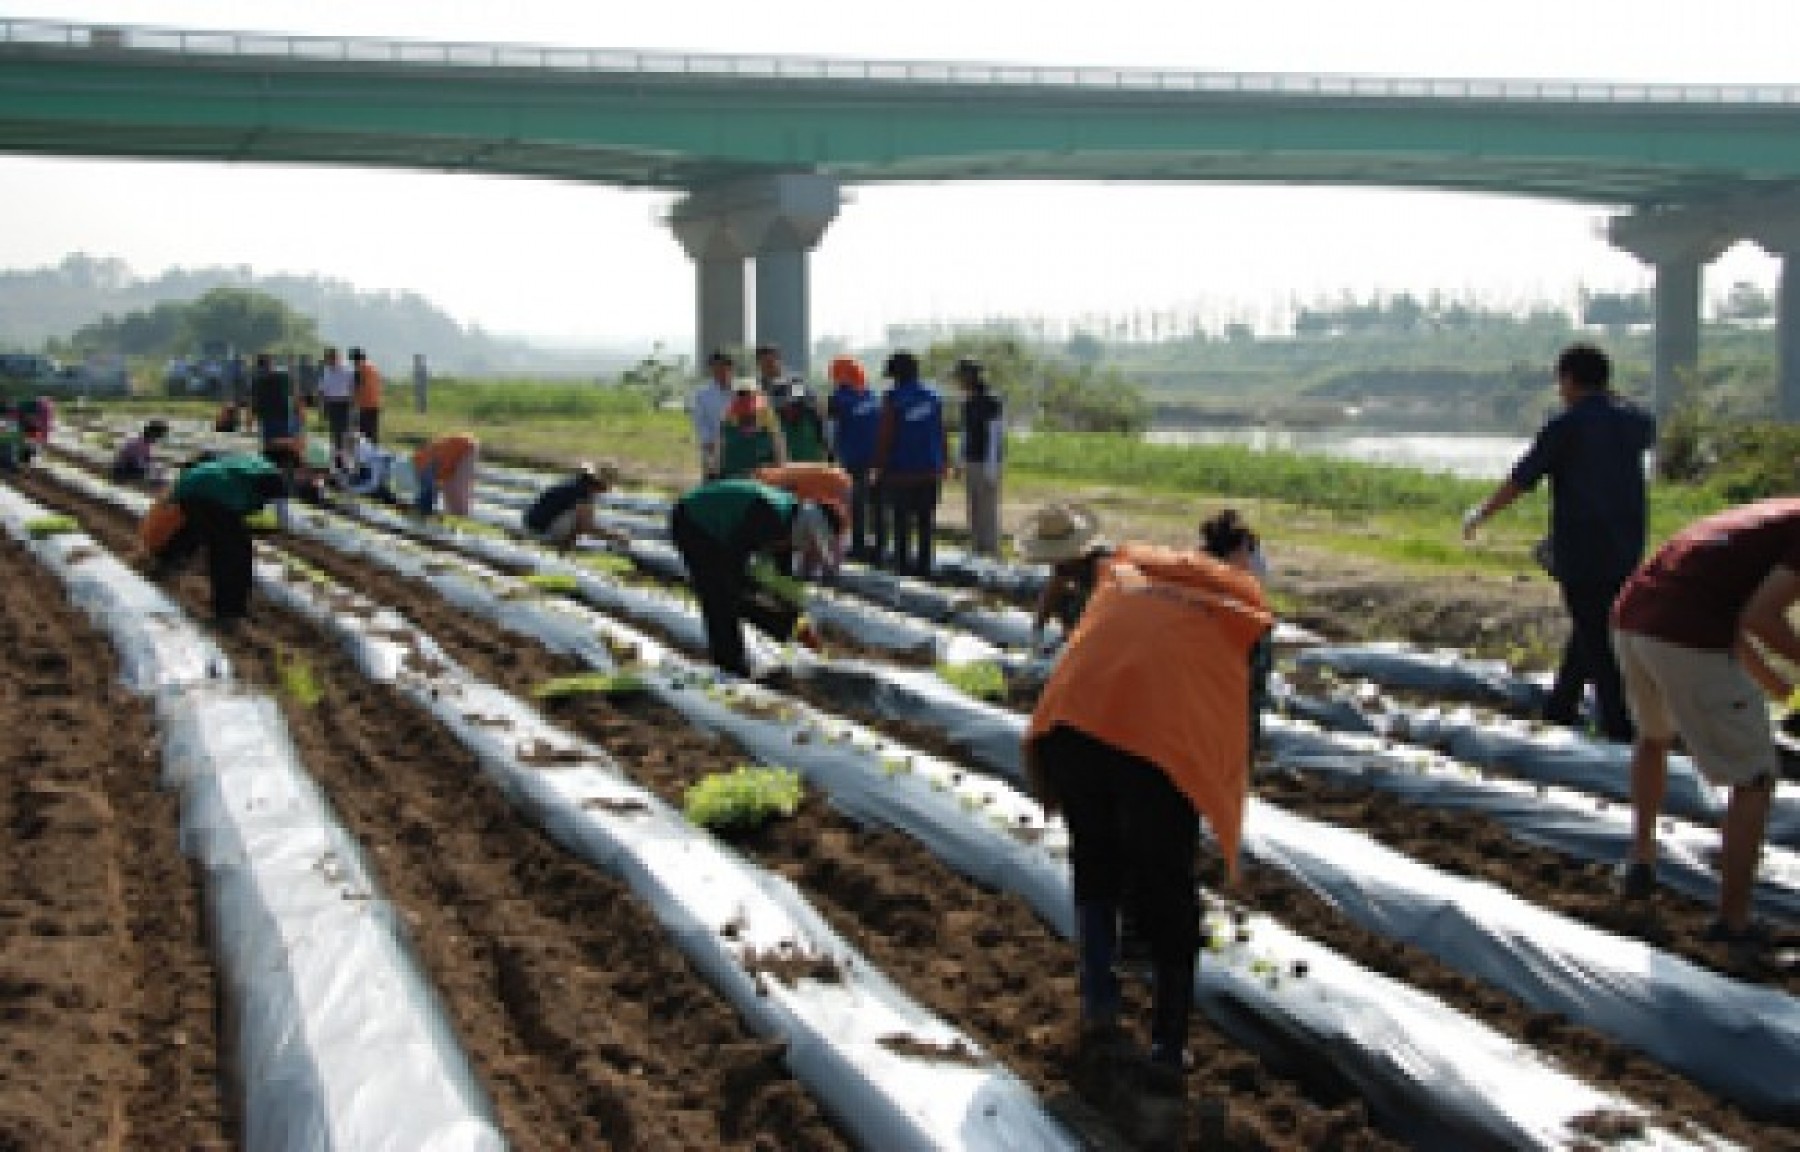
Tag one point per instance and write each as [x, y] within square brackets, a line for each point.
[719, 507]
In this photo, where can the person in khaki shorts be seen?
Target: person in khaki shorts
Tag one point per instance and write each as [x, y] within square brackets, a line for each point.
[1693, 628]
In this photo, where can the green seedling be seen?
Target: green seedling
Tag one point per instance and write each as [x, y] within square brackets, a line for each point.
[981, 679]
[41, 527]
[299, 681]
[262, 520]
[606, 563]
[552, 582]
[748, 796]
[585, 683]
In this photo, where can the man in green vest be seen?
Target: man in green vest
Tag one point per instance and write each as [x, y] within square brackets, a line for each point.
[214, 496]
[730, 534]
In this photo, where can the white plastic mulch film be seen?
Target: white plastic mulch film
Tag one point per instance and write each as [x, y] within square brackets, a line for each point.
[895, 1075]
[337, 1041]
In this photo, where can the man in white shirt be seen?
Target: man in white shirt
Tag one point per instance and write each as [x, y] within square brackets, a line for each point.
[337, 384]
[708, 410]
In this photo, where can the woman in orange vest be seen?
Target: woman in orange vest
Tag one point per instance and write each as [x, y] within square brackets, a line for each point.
[823, 484]
[1143, 724]
[446, 465]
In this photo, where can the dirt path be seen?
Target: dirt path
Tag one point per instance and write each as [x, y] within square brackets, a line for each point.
[107, 992]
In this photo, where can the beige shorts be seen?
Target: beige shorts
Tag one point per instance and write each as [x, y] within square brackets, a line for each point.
[1706, 696]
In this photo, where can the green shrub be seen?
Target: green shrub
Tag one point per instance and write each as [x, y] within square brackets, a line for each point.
[746, 797]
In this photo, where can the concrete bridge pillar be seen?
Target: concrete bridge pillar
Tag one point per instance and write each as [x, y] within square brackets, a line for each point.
[1777, 232]
[1677, 245]
[779, 220]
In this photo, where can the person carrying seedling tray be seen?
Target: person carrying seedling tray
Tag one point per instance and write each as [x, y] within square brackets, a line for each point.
[205, 508]
[730, 534]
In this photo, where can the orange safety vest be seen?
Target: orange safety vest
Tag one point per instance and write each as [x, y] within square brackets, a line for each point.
[820, 483]
[446, 452]
[1159, 667]
[368, 386]
[159, 526]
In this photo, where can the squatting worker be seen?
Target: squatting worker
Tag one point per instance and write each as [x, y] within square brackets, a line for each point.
[446, 465]
[729, 533]
[823, 484]
[205, 508]
[1692, 627]
[1142, 724]
[564, 512]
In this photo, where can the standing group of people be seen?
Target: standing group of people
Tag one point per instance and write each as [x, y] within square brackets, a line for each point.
[894, 446]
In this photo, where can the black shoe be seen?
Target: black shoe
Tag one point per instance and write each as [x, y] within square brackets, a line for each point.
[1635, 880]
[1105, 1061]
[1753, 935]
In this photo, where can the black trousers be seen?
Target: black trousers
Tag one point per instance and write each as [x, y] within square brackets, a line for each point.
[912, 514]
[719, 576]
[222, 533]
[1129, 827]
[1588, 658]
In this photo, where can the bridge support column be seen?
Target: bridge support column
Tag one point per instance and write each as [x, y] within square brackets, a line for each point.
[1677, 245]
[779, 219]
[1778, 233]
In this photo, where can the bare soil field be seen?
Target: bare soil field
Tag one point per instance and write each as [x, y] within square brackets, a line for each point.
[589, 1031]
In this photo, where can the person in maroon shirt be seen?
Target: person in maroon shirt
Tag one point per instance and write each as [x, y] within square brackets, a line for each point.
[1692, 628]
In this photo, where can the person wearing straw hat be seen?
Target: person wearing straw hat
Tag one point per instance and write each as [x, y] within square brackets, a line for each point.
[564, 512]
[1141, 727]
[730, 534]
[1067, 538]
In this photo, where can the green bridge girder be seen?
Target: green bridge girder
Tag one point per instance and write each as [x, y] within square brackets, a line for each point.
[677, 122]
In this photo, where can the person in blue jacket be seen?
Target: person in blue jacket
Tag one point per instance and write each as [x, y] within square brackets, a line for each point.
[912, 451]
[855, 418]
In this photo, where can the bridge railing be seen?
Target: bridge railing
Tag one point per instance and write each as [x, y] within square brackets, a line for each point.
[26, 34]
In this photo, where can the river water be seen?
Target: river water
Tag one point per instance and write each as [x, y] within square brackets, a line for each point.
[1474, 457]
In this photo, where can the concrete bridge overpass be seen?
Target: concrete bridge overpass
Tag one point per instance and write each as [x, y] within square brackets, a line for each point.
[761, 146]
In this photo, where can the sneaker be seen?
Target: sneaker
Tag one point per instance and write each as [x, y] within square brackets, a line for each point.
[1155, 1117]
[1104, 1061]
[1754, 934]
[1635, 880]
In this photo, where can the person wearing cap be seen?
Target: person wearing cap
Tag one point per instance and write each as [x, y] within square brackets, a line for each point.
[368, 395]
[912, 451]
[749, 433]
[707, 409]
[564, 512]
[853, 417]
[823, 484]
[1140, 729]
[982, 450]
[135, 461]
[446, 465]
[205, 508]
[730, 534]
[337, 387]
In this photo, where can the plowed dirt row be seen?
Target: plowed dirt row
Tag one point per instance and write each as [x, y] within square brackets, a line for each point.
[107, 993]
[586, 1027]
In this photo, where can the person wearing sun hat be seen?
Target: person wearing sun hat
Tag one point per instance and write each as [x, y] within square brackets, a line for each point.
[730, 534]
[564, 512]
[1142, 727]
[1066, 537]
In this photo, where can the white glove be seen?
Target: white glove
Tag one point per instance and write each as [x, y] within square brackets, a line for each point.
[1471, 521]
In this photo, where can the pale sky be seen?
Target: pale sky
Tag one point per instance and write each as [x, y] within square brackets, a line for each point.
[591, 263]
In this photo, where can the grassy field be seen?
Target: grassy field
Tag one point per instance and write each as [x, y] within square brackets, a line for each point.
[1397, 515]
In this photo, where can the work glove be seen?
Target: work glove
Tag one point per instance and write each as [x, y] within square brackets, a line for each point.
[1471, 520]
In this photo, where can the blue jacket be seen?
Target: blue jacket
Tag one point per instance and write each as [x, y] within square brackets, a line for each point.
[911, 441]
[855, 418]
